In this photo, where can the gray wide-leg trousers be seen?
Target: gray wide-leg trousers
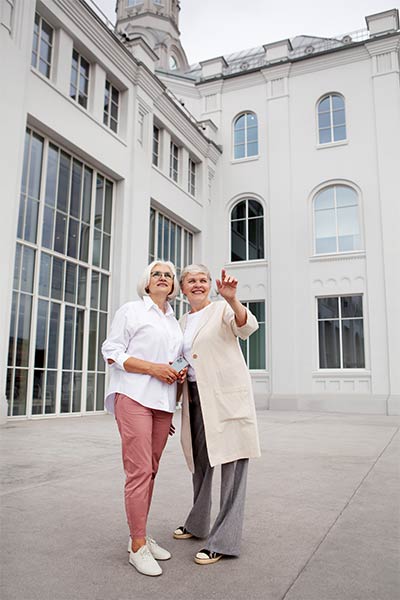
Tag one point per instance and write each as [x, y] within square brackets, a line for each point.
[226, 533]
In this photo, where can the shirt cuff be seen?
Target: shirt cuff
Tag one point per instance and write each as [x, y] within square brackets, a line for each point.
[120, 358]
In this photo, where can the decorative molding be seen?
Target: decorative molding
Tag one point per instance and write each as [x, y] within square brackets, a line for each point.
[337, 257]
[339, 285]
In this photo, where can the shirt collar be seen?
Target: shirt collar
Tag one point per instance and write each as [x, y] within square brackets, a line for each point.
[149, 304]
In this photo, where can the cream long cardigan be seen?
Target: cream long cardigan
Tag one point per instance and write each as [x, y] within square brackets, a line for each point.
[225, 389]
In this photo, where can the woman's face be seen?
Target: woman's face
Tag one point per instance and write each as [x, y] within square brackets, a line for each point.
[161, 280]
[196, 287]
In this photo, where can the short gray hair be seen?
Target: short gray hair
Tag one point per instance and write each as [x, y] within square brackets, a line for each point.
[144, 281]
[194, 269]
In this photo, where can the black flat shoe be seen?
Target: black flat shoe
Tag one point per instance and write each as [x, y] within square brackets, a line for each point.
[206, 557]
[182, 534]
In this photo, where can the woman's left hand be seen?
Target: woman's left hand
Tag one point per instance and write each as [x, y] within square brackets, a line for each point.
[182, 375]
[227, 286]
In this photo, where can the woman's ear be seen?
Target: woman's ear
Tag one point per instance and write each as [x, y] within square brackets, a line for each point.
[146, 289]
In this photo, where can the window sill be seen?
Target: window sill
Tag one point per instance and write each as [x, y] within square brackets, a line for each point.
[337, 256]
[332, 144]
[342, 373]
[262, 262]
[236, 161]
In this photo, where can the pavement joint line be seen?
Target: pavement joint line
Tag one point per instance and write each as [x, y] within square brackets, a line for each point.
[301, 571]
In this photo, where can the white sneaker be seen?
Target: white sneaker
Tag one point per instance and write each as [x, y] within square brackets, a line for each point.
[157, 551]
[144, 562]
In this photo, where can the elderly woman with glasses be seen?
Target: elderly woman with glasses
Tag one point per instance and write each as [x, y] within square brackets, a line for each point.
[144, 339]
[218, 414]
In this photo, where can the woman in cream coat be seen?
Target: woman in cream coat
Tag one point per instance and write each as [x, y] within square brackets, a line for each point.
[218, 414]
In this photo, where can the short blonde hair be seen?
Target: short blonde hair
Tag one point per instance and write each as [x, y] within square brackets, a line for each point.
[144, 281]
[194, 269]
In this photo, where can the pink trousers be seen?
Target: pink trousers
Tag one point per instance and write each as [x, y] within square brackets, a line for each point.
[144, 433]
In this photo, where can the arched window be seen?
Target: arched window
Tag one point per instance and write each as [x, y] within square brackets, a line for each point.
[245, 135]
[336, 220]
[331, 119]
[173, 65]
[247, 231]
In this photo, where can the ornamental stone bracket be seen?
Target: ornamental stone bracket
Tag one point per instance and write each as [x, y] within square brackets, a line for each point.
[277, 80]
[385, 55]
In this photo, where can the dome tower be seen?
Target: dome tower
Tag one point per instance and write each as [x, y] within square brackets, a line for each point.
[157, 22]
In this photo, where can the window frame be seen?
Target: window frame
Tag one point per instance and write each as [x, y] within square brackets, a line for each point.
[108, 119]
[245, 344]
[340, 320]
[37, 51]
[247, 259]
[246, 142]
[332, 127]
[192, 176]
[315, 196]
[76, 85]
[174, 160]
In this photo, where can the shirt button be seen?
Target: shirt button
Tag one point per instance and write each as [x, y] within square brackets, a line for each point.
[194, 355]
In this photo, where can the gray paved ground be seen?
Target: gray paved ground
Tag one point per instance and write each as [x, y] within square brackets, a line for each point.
[322, 516]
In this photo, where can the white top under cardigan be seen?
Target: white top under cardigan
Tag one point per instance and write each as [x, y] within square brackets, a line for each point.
[140, 329]
[192, 323]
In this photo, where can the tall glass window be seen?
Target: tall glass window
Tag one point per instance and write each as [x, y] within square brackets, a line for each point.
[42, 46]
[341, 332]
[174, 162]
[331, 119]
[247, 231]
[245, 135]
[111, 107]
[254, 347]
[191, 177]
[336, 220]
[170, 241]
[79, 85]
[61, 280]
[156, 146]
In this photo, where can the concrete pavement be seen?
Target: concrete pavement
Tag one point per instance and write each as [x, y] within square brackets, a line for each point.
[322, 515]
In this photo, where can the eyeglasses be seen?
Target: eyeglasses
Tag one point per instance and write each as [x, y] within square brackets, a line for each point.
[158, 274]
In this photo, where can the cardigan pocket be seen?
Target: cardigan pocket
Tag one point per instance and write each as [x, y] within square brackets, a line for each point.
[232, 403]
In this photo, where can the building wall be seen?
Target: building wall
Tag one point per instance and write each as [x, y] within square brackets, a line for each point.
[284, 177]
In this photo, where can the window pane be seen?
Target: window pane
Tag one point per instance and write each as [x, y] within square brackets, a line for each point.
[240, 151]
[328, 308]
[240, 136]
[92, 341]
[68, 337]
[82, 280]
[54, 329]
[79, 330]
[51, 178]
[44, 277]
[96, 247]
[73, 235]
[337, 102]
[84, 242]
[329, 345]
[339, 133]
[345, 196]
[105, 263]
[87, 195]
[258, 310]
[257, 348]
[20, 392]
[41, 331]
[238, 240]
[48, 227]
[90, 392]
[94, 292]
[324, 105]
[348, 230]
[239, 211]
[351, 306]
[325, 231]
[51, 390]
[70, 283]
[353, 344]
[256, 239]
[76, 189]
[108, 207]
[35, 168]
[101, 366]
[325, 136]
[338, 117]
[23, 330]
[66, 389]
[38, 392]
[60, 236]
[57, 279]
[104, 293]
[77, 393]
[324, 120]
[252, 149]
[255, 209]
[325, 199]
[31, 218]
[28, 266]
[240, 122]
[100, 393]
[63, 182]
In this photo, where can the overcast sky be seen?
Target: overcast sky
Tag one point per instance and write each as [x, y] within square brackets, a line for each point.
[212, 28]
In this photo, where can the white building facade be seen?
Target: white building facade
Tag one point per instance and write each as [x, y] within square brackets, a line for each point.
[279, 164]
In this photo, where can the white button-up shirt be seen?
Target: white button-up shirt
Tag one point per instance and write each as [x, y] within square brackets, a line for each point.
[140, 329]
